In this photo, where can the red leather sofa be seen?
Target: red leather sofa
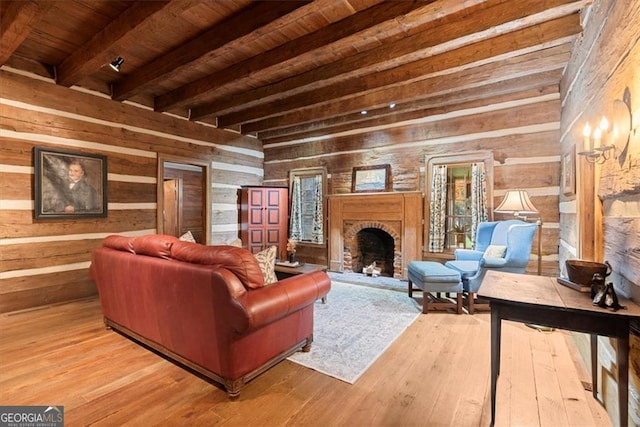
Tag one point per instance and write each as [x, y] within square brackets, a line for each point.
[205, 307]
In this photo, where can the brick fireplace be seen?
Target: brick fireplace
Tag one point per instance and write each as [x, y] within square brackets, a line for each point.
[366, 242]
[381, 227]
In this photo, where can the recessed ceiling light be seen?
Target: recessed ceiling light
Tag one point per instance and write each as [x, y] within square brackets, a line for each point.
[363, 112]
[392, 105]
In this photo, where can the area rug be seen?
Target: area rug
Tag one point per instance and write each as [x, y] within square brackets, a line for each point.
[381, 282]
[356, 325]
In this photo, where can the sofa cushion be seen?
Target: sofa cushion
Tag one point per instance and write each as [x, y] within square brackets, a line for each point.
[188, 237]
[120, 243]
[234, 242]
[267, 262]
[237, 260]
[157, 245]
[495, 251]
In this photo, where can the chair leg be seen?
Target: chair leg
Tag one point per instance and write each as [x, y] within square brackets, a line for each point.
[459, 303]
[425, 302]
[470, 297]
[410, 289]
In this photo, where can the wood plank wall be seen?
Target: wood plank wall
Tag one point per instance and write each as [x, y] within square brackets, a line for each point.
[605, 62]
[521, 129]
[46, 261]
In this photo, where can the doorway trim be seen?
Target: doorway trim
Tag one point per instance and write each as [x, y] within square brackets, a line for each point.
[206, 187]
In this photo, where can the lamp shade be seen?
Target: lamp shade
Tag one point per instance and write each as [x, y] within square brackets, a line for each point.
[516, 202]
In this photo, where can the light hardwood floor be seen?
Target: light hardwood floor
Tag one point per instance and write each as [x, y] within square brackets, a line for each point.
[435, 374]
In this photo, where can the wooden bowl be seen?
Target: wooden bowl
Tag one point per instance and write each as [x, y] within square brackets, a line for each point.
[581, 272]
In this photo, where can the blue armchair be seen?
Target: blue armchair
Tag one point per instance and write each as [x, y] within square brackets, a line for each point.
[499, 245]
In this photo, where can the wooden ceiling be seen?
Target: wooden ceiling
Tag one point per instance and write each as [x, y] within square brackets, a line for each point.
[290, 70]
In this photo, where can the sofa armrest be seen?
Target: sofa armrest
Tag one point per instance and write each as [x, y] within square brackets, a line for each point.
[256, 308]
[468, 255]
[493, 262]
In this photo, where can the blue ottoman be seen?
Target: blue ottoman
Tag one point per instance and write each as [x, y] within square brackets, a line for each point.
[429, 276]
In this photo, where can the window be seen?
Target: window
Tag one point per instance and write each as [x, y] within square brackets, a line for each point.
[458, 220]
[458, 195]
[307, 220]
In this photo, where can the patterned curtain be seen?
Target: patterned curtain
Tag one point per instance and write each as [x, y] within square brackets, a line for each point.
[317, 234]
[478, 197]
[295, 227]
[438, 209]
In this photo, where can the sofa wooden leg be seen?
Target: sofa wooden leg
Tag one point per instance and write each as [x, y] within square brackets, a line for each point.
[233, 388]
[425, 302]
[459, 303]
[307, 347]
[470, 297]
[107, 326]
[410, 289]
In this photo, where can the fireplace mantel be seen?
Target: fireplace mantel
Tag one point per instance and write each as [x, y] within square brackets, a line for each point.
[398, 212]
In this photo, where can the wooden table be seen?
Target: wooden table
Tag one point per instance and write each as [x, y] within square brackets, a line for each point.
[542, 301]
[283, 272]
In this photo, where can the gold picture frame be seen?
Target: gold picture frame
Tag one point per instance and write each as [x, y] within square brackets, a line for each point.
[69, 184]
[368, 179]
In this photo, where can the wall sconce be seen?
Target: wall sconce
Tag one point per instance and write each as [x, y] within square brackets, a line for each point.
[116, 63]
[596, 149]
[598, 145]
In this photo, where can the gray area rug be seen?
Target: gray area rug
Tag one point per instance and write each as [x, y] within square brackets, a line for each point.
[354, 328]
[381, 282]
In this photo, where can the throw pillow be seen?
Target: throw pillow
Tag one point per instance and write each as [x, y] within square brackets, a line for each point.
[234, 242]
[495, 251]
[188, 237]
[267, 262]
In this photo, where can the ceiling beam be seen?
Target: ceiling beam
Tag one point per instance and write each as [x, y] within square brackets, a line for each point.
[504, 90]
[385, 50]
[467, 77]
[510, 44]
[99, 50]
[18, 20]
[246, 21]
[477, 25]
[361, 21]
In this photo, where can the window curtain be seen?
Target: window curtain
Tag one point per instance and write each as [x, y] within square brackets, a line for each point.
[438, 209]
[295, 226]
[317, 234]
[478, 197]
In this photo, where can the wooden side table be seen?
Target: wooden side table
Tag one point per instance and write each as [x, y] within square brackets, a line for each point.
[540, 300]
[283, 271]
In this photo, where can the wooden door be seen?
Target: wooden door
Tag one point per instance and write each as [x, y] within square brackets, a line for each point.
[188, 193]
[276, 209]
[256, 220]
[192, 195]
[171, 217]
[264, 213]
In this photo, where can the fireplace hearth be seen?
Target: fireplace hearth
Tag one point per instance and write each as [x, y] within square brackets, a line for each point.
[385, 228]
[366, 242]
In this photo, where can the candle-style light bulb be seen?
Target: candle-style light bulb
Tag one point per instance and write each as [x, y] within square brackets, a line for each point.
[586, 132]
[597, 134]
[604, 126]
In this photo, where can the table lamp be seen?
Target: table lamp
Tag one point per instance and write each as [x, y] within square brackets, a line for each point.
[517, 202]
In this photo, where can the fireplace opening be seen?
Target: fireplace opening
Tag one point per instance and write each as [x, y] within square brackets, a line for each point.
[374, 245]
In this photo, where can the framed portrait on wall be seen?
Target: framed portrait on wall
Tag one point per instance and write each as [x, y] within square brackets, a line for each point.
[371, 179]
[568, 174]
[69, 184]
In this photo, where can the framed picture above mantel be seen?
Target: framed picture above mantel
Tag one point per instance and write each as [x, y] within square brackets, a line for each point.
[368, 179]
[69, 184]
